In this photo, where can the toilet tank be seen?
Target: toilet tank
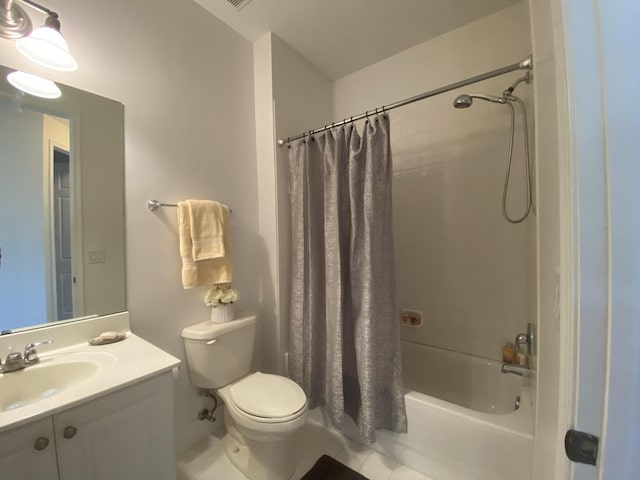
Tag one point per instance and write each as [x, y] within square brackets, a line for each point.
[219, 353]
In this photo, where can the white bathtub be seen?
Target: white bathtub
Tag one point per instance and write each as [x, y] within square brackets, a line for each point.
[472, 382]
[463, 423]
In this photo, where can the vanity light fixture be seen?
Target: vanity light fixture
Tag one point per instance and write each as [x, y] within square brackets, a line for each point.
[34, 85]
[45, 45]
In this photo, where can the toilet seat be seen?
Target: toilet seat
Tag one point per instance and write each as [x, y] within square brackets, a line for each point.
[267, 398]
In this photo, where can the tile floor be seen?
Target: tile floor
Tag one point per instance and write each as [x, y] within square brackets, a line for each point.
[207, 460]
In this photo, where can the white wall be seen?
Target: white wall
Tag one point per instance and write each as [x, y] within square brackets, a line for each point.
[97, 143]
[291, 97]
[303, 101]
[270, 326]
[457, 260]
[186, 81]
[22, 271]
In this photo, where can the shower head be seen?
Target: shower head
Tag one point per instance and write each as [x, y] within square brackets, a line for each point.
[466, 100]
[463, 101]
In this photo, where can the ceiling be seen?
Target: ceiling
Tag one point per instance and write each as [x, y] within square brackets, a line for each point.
[339, 37]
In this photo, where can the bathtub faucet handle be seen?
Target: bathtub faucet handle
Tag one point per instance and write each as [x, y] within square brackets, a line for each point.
[526, 339]
[522, 339]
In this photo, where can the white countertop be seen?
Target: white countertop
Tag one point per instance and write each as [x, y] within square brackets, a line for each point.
[118, 365]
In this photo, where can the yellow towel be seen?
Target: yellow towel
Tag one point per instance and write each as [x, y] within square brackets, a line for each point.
[207, 229]
[208, 271]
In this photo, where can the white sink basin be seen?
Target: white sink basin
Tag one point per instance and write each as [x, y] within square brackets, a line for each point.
[74, 373]
[53, 375]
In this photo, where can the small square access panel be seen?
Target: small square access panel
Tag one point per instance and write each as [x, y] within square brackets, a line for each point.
[411, 318]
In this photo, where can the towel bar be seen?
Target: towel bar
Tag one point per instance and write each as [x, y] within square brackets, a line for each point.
[155, 204]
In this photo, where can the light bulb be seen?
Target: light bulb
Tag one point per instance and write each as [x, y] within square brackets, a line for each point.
[34, 85]
[46, 47]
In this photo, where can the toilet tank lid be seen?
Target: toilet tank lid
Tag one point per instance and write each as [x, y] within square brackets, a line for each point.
[209, 330]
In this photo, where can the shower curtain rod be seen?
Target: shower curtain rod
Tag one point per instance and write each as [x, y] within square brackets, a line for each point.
[526, 64]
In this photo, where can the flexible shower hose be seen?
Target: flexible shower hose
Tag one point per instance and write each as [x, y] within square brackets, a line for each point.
[505, 189]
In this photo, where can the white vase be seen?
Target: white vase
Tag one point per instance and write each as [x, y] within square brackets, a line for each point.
[222, 313]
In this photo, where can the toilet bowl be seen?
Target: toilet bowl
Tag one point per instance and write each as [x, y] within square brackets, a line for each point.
[265, 407]
[263, 412]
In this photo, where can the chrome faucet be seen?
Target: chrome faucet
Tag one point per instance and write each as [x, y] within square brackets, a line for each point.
[16, 361]
[522, 339]
[517, 370]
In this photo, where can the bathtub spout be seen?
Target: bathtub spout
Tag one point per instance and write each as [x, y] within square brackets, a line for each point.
[517, 370]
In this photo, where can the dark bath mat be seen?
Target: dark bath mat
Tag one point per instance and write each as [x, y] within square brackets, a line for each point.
[328, 468]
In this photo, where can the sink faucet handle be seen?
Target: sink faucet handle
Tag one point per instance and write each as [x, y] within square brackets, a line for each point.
[13, 357]
[13, 362]
[30, 353]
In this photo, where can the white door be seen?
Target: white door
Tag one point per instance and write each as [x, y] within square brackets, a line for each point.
[62, 234]
[127, 435]
[602, 36]
[29, 452]
[619, 456]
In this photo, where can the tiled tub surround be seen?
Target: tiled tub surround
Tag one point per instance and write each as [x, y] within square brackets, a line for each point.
[458, 262]
[470, 273]
[448, 441]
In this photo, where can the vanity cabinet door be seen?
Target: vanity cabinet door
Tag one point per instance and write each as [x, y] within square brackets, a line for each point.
[29, 452]
[126, 435]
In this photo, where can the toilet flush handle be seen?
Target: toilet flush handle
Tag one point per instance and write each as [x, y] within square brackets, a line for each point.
[211, 342]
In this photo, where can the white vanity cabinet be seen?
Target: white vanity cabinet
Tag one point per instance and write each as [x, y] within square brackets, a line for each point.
[29, 452]
[124, 435]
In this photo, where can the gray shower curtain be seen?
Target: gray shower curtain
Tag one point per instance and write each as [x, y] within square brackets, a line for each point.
[344, 347]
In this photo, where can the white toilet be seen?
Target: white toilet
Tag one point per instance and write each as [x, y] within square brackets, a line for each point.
[262, 411]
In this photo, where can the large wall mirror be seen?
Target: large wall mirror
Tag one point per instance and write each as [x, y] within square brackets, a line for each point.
[61, 207]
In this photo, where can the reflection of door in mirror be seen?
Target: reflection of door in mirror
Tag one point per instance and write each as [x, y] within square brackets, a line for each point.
[62, 236]
[51, 220]
[58, 218]
[37, 181]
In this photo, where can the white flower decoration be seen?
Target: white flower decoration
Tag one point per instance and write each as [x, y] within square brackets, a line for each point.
[220, 296]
